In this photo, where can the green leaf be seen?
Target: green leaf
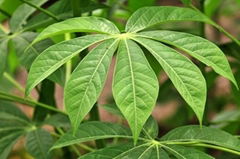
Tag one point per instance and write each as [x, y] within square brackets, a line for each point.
[3, 55]
[147, 17]
[21, 14]
[58, 120]
[80, 24]
[27, 53]
[186, 2]
[55, 56]
[150, 129]
[227, 116]
[38, 143]
[135, 85]
[127, 150]
[203, 135]
[181, 152]
[202, 49]
[186, 76]
[87, 81]
[211, 6]
[7, 142]
[92, 130]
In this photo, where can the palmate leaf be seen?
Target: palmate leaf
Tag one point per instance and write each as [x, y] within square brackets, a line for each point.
[21, 14]
[38, 143]
[80, 24]
[135, 85]
[204, 135]
[55, 56]
[12, 126]
[87, 81]
[186, 77]
[201, 49]
[93, 130]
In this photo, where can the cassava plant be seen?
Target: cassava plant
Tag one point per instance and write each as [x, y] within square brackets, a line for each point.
[60, 38]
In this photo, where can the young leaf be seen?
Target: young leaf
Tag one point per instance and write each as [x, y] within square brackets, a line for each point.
[21, 14]
[203, 135]
[202, 49]
[38, 143]
[55, 56]
[181, 152]
[87, 81]
[135, 86]
[186, 76]
[92, 131]
[3, 55]
[141, 151]
[80, 24]
[149, 16]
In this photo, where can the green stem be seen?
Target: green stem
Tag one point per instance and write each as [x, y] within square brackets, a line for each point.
[41, 10]
[86, 147]
[69, 63]
[4, 29]
[5, 13]
[14, 82]
[29, 102]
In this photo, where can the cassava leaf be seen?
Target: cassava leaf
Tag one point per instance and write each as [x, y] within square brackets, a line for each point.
[55, 56]
[149, 16]
[135, 86]
[186, 76]
[93, 130]
[136, 4]
[203, 135]
[201, 49]
[150, 129]
[127, 150]
[186, 2]
[58, 120]
[181, 152]
[79, 24]
[38, 143]
[21, 14]
[27, 53]
[87, 81]
[210, 7]
[3, 55]
[7, 142]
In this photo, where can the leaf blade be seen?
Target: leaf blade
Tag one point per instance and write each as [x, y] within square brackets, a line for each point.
[87, 81]
[79, 24]
[185, 76]
[130, 74]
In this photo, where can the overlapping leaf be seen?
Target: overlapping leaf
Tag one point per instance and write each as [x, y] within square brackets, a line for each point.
[202, 49]
[87, 81]
[186, 77]
[3, 55]
[80, 24]
[92, 131]
[55, 56]
[135, 86]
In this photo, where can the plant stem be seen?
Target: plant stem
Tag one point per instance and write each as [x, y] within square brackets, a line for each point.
[14, 82]
[5, 13]
[217, 148]
[41, 10]
[29, 102]
[69, 63]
